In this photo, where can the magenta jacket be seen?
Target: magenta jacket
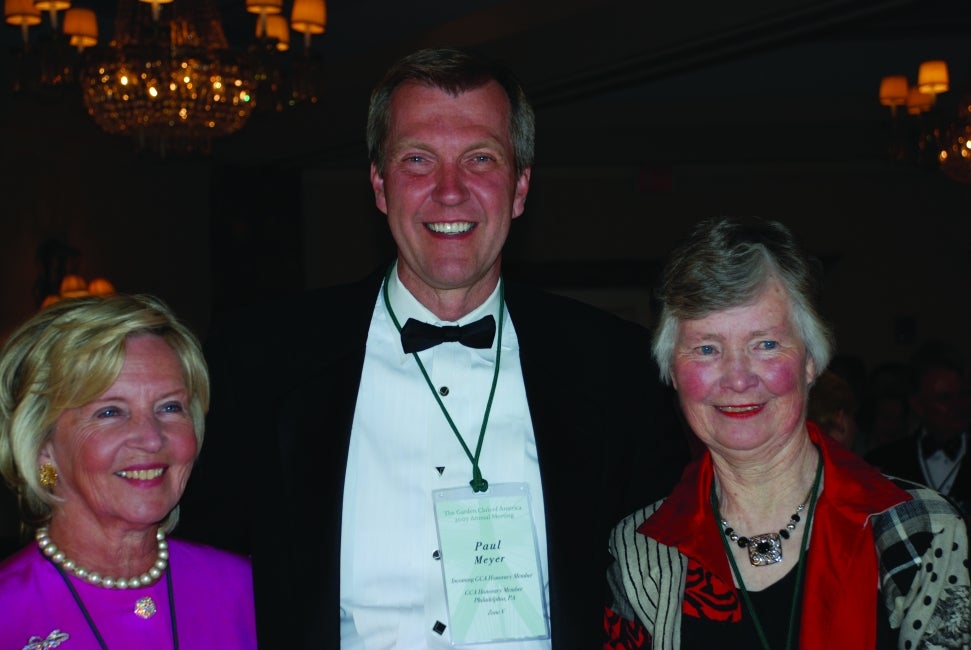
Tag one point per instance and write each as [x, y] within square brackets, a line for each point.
[213, 594]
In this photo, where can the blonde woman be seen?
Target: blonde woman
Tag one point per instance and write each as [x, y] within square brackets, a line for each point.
[102, 405]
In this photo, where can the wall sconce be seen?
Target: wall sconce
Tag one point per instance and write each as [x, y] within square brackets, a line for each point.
[932, 77]
[74, 286]
[925, 136]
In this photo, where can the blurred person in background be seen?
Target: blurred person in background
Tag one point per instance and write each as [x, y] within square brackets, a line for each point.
[832, 406]
[936, 453]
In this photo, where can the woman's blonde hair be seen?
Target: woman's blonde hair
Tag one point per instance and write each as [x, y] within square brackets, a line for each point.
[66, 356]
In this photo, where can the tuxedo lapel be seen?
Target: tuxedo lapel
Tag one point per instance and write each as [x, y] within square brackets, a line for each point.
[313, 433]
[567, 422]
[314, 426]
[314, 437]
[585, 402]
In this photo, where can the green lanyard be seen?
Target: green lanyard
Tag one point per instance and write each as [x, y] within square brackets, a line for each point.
[797, 591]
[478, 483]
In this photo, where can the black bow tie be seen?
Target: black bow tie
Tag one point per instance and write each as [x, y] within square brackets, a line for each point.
[417, 336]
[949, 447]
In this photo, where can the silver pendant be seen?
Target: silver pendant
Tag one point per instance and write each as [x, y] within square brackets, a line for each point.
[765, 549]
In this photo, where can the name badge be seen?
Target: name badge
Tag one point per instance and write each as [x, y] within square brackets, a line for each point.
[491, 564]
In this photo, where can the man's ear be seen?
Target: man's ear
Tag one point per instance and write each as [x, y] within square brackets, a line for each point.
[522, 189]
[377, 184]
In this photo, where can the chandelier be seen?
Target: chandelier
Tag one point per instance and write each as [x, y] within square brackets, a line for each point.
[168, 77]
[923, 132]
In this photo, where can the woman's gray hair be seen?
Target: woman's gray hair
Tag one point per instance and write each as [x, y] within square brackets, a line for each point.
[454, 71]
[64, 357]
[726, 263]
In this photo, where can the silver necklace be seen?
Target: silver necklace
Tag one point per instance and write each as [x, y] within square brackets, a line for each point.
[797, 591]
[59, 558]
[766, 548]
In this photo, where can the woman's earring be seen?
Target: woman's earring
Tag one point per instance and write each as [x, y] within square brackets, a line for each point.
[48, 476]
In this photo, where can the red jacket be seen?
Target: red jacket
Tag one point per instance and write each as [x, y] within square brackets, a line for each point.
[840, 592]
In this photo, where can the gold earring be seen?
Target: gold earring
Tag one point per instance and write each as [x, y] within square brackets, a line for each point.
[48, 476]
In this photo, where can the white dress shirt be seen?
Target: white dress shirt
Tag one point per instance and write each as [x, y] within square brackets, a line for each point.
[391, 591]
[940, 470]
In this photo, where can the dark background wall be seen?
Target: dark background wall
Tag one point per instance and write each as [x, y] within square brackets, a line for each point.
[650, 117]
[896, 244]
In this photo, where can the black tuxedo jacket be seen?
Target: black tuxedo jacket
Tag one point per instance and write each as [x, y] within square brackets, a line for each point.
[902, 458]
[271, 475]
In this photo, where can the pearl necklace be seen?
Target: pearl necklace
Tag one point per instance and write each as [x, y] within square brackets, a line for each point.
[58, 557]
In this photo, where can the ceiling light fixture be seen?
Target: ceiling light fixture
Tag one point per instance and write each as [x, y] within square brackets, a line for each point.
[168, 76]
[925, 135]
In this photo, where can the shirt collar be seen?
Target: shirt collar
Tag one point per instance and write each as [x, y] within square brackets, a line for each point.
[406, 306]
[951, 451]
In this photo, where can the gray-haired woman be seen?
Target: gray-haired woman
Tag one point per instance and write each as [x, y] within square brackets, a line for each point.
[777, 537]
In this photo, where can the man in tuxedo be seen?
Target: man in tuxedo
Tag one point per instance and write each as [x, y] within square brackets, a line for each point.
[336, 420]
[936, 454]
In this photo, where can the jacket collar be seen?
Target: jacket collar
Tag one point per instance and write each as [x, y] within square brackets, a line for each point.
[853, 491]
